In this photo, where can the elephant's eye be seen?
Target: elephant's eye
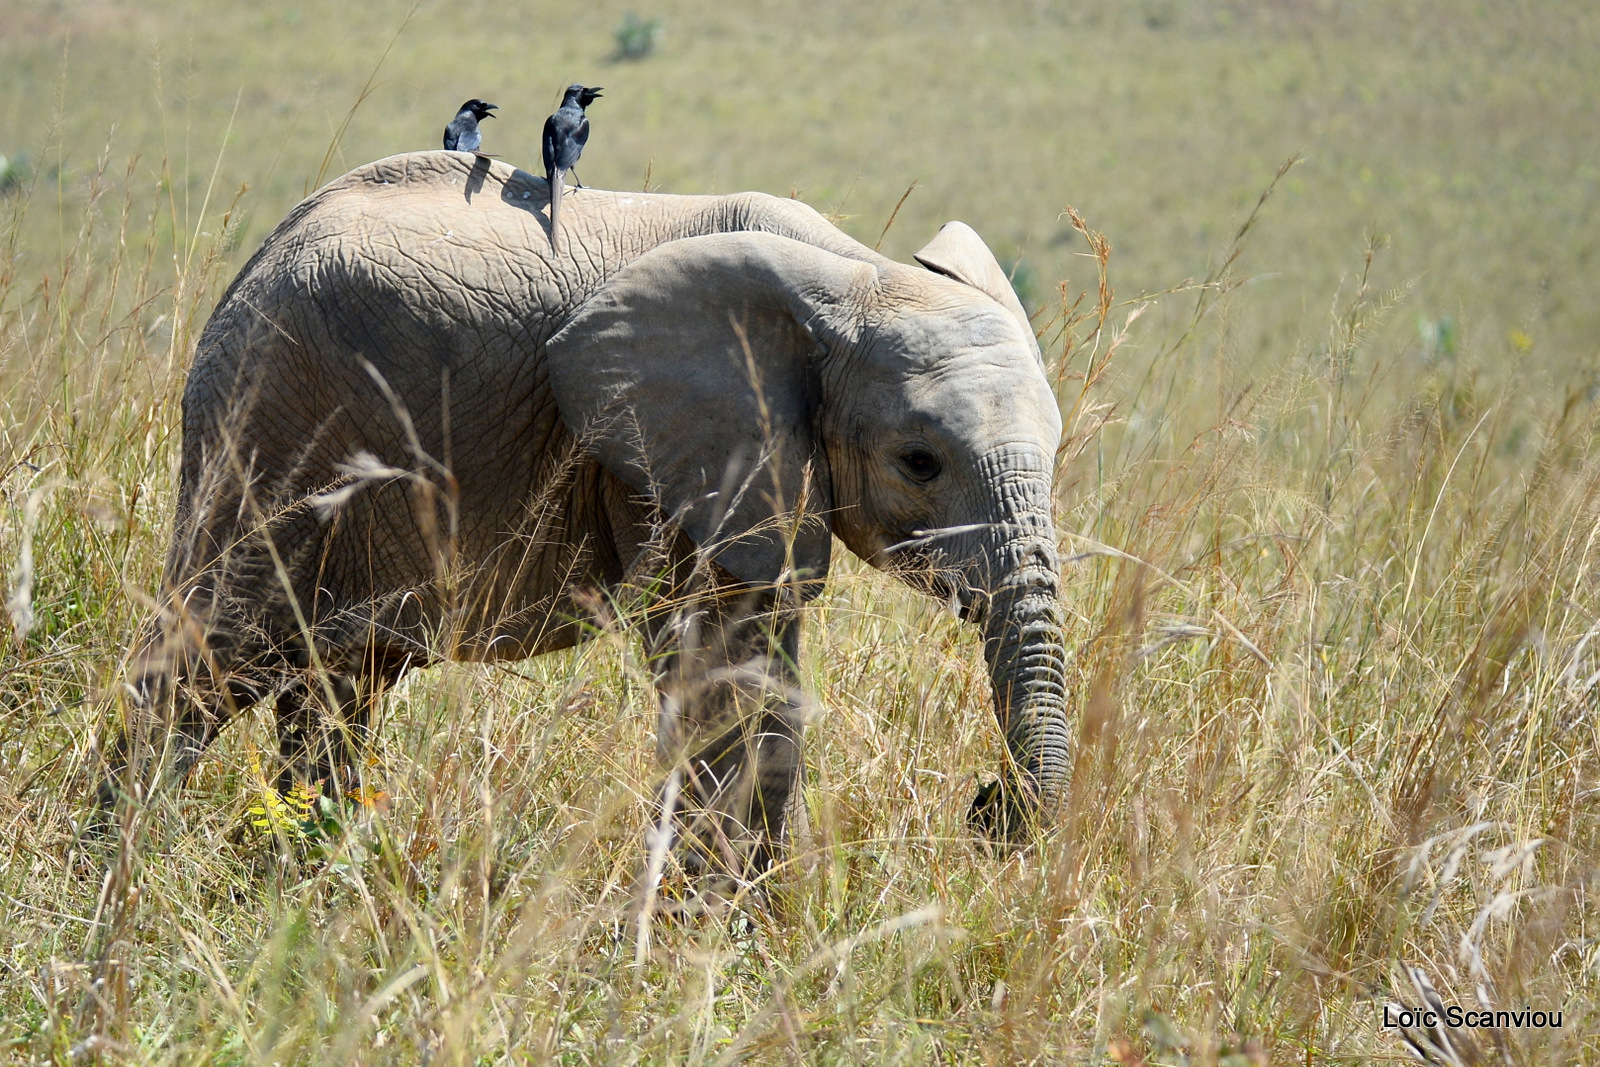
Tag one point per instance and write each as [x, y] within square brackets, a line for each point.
[920, 464]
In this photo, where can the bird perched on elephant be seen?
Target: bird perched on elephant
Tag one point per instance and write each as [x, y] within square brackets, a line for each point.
[565, 133]
[463, 134]
[412, 433]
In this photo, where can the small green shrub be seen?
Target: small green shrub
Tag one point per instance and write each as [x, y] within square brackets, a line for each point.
[1439, 338]
[1026, 285]
[636, 37]
[14, 171]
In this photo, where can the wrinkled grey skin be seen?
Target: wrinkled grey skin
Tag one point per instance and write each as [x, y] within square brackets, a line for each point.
[413, 431]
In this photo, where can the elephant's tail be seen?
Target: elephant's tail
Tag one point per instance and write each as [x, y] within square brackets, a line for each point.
[557, 180]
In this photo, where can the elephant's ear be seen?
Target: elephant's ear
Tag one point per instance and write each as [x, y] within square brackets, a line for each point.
[692, 376]
[957, 251]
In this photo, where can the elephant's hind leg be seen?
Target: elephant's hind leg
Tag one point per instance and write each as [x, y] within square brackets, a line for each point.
[322, 725]
[325, 720]
[174, 713]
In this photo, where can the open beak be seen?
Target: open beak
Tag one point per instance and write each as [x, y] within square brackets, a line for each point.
[488, 108]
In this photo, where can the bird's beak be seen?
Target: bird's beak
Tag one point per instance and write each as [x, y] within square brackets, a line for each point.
[595, 92]
[490, 107]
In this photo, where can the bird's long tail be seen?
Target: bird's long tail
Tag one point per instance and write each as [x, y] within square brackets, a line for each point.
[557, 180]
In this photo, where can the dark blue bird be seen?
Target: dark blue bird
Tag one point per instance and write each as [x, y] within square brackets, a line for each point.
[565, 134]
[462, 134]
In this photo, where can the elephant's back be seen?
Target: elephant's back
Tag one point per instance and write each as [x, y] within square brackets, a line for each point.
[407, 285]
[435, 271]
[429, 232]
[406, 267]
[467, 236]
[401, 313]
[432, 256]
[486, 224]
[609, 227]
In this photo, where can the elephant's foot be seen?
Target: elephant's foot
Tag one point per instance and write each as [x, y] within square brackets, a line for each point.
[171, 721]
[709, 867]
[684, 896]
[997, 816]
[707, 897]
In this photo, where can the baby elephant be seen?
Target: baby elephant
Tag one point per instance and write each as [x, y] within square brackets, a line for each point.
[414, 430]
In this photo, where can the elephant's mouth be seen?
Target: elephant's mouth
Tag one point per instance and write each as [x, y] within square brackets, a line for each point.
[914, 561]
[972, 605]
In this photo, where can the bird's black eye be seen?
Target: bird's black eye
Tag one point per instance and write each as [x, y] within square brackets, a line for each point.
[920, 464]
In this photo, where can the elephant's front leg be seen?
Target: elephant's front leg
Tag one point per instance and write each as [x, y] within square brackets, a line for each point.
[731, 723]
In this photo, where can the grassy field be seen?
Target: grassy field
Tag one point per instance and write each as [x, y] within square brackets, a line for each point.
[1333, 503]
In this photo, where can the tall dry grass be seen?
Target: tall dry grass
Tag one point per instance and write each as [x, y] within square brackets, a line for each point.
[1333, 666]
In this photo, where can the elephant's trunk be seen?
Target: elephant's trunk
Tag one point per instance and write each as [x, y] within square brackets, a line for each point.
[1018, 608]
[1024, 648]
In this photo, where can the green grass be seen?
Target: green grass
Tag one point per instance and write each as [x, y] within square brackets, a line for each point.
[1330, 608]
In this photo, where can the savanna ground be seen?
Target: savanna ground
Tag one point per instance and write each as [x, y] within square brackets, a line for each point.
[1332, 499]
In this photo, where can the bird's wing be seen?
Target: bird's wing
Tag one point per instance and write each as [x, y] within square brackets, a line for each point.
[451, 138]
[571, 132]
[549, 146]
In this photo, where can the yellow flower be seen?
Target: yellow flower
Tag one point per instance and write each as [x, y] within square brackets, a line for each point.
[370, 798]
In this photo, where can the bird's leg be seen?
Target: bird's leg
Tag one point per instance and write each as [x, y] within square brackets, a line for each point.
[575, 181]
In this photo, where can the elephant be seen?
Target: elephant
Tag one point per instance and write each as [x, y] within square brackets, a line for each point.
[414, 431]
